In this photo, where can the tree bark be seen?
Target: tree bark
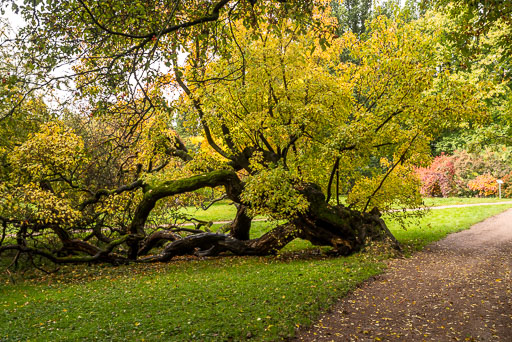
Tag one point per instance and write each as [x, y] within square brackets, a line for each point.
[346, 230]
[152, 194]
[156, 239]
[212, 244]
[241, 225]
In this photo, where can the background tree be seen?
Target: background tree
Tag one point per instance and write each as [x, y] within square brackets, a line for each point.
[478, 39]
[477, 18]
[352, 15]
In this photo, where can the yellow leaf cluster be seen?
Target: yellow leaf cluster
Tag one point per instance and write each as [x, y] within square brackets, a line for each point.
[30, 202]
[53, 151]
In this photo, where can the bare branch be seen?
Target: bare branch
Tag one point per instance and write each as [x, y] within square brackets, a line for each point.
[101, 193]
[213, 16]
[389, 172]
[331, 177]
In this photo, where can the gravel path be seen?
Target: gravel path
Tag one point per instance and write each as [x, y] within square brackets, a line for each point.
[458, 289]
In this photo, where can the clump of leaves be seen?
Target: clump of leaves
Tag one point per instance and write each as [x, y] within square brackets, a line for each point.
[273, 192]
[395, 189]
[486, 185]
[52, 151]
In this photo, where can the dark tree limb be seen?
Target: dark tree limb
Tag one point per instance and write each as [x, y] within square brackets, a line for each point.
[212, 202]
[103, 255]
[389, 172]
[391, 116]
[178, 149]
[241, 225]
[156, 239]
[213, 16]
[102, 193]
[211, 244]
[331, 178]
[274, 240]
[152, 194]
[190, 230]
[4, 230]
[188, 246]
[344, 229]
[199, 109]
[337, 186]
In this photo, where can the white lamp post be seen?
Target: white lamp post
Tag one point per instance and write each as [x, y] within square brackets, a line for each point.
[499, 181]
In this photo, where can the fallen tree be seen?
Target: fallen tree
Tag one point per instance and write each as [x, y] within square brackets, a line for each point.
[272, 119]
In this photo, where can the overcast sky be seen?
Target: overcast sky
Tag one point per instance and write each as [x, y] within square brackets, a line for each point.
[14, 20]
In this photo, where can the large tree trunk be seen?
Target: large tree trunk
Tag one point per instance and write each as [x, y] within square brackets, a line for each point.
[241, 225]
[212, 244]
[152, 194]
[344, 229]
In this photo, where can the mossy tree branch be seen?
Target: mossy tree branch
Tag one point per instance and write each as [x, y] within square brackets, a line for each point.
[153, 193]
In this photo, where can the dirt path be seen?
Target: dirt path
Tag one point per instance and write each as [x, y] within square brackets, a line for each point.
[458, 289]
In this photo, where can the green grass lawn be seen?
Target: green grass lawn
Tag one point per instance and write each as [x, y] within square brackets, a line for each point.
[220, 211]
[224, 211]
[440, 201]
[438, 223]
[218, 299]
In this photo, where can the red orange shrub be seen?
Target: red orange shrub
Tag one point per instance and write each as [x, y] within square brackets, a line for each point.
[468, 174]
[438, 179]
[486, 185]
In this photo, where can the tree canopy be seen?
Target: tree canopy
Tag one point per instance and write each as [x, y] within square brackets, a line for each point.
[175, 103]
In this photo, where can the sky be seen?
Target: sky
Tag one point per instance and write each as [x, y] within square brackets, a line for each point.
[14, 20]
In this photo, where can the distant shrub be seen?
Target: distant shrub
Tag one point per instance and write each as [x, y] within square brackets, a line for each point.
[452, 175]
[486, 185]
[435, 184]
[438, 179]
[506, 187]
[469, 166]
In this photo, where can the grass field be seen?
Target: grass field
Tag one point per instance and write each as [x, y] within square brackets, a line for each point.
[439, 201]
[223, 210]
[218, 299]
